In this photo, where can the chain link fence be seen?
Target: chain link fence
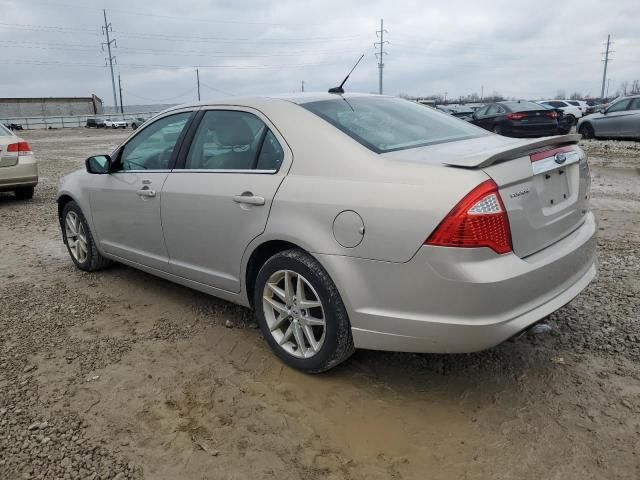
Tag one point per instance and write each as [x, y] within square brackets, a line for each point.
[69, 121]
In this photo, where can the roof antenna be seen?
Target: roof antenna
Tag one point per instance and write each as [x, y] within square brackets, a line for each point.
[340, 89]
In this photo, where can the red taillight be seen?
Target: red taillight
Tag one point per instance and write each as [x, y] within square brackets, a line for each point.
[552, 114]
[516, 116]
[534, 157]
[478, 220]
[22, 148]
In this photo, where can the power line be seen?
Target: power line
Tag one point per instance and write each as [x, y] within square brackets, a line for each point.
[606, 62]
[380, 55]
[106, 29]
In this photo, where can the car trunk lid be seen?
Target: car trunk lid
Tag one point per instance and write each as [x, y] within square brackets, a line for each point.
[544, 185]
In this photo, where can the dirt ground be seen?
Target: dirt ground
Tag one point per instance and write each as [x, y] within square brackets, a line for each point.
[119, 374]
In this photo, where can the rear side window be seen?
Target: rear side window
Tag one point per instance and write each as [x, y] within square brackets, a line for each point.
[387, 124]
[635, 104]
[5, 132]
[575, 104]
[524, 106]
[233, 140]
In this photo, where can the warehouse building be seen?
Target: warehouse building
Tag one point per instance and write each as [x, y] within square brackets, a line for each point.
[50, 107]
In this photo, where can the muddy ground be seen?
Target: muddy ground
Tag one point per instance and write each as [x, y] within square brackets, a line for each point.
[119, 374]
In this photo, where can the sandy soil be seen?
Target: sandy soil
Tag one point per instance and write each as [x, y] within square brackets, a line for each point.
[119, 374]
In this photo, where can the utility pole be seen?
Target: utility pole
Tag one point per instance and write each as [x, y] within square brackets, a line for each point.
[606, 61]
[105, 31]
[198, 82]
[481, 92]
[302, 86]
[120, 88]
[381, 53]
[445, 97]
[608, 83]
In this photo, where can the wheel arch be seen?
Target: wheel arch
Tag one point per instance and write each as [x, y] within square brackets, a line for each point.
[62, 201]
[260, 254]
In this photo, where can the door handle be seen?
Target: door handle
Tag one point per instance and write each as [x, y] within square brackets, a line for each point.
[249, 199]
[145, 192]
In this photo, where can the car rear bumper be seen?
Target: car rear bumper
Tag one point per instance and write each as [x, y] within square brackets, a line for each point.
[23, 174]
[449, 300]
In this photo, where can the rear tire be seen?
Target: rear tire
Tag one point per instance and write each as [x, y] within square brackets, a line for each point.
[79, 240]
[134, 126]
[497, 130]
[24, 193]
[586, 130]
[573, 119]
[327, 322]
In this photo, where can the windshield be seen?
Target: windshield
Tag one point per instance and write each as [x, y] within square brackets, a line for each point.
[387, 124]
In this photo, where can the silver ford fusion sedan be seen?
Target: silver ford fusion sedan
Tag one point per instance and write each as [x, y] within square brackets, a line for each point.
[345, 221]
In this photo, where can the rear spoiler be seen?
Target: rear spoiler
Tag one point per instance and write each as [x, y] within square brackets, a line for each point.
[520, 148]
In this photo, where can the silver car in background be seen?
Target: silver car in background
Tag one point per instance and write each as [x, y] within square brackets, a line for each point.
[18, 166]
[621, 119]
[345, 221]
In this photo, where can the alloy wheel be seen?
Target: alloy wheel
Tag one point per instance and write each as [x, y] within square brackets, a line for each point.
[294, 313]
[76, 237]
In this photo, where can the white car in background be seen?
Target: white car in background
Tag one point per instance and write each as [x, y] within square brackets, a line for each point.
[571, 111]
[111, 123]
[18, 166]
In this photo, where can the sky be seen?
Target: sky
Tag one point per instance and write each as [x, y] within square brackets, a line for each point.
[522, 49]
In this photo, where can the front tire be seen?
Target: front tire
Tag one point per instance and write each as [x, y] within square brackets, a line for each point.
[79, 240]
[586, 130]
[24, 193]
[301, 314]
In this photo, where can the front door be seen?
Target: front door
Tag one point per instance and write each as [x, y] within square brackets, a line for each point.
[219, 197]
[125, 204]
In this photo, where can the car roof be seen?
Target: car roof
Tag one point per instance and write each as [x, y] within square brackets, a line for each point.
[297, 98]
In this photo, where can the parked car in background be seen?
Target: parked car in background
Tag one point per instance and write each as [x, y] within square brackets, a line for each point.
[293, 206]
[621, 119]
[95, 123]
[517, 119]
[564, 123]
[457, 111]
[115, 123]
[137, 121]
[14, 126]
[18, 166]
[573, 112]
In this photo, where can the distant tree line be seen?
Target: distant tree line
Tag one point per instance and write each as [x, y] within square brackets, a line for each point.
[626, 88]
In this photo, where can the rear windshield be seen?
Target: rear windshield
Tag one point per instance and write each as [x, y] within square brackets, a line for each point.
[387, 124]
[522, 106]
[5, 132]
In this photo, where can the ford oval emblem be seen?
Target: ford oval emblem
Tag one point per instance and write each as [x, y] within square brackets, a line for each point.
[560, 158]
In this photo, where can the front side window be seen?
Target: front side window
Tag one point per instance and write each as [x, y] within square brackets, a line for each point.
[233, 140]
[153, 147]
[635, 105]
[387, 124]
[619, 106]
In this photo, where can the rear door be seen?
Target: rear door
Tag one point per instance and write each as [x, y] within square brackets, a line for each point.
[218, 198]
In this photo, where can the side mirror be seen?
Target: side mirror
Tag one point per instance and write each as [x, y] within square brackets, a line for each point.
[98, 164]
